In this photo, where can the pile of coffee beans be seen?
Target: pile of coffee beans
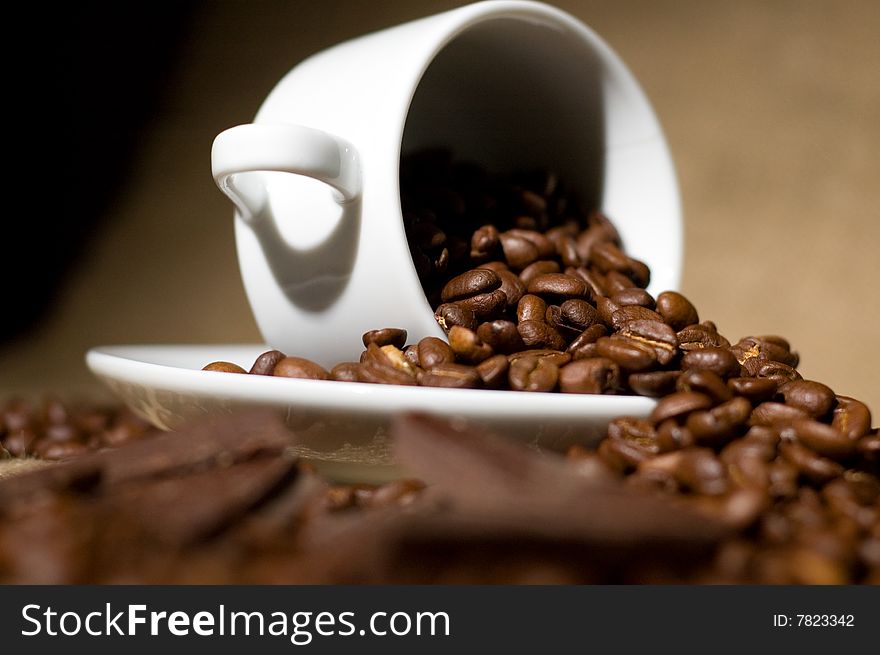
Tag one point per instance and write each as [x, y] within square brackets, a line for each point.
[52, 429]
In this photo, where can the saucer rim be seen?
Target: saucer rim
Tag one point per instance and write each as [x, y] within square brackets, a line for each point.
[130, 363]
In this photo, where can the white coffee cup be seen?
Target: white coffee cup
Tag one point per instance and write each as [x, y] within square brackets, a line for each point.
[507, 83]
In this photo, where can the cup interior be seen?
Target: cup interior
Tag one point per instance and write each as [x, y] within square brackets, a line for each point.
[515, 94]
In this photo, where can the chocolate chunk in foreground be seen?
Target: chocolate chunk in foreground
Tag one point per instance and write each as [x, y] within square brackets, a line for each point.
[504, 487]
[182, 510]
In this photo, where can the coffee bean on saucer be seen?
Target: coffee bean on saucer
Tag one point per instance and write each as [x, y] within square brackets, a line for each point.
[385, 336]
[299, 367]
[265, 363]
[224, 367]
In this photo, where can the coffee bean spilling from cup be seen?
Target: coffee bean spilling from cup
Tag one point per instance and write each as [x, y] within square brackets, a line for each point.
[537, 294]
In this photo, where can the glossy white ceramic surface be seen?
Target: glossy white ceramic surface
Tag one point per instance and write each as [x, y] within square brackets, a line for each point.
[341, 426]
[511, 84]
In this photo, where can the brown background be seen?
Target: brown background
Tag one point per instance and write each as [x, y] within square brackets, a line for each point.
[771, 108]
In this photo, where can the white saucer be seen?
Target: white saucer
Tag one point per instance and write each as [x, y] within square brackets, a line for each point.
[342, 427]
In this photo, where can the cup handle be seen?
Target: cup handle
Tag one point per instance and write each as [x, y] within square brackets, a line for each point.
[285, 148]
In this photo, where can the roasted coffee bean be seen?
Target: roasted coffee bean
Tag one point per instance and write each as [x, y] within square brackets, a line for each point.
[531, 308]
[599, 221]
[821, 438]
[852, 418]
[763, 434]
[605, 308]
[615, 282]
[502, 336]
[474, 282]
[396, 358]
[695, 337]
[385, 365]
[679, 405]
[773, 414]
[632, 356]
[676, 310]
[694, 469]
[451, 314]
[639, 272]
[453, 376]
[558, 285]
[519, 252]
[815, 468]
[586, 240]
[555, 319]
[299, 367]
[628, 313]
[622, 456]
[538, 334]
[467, 346]
[588, 465]
[856, 496]
[493, 371]
[596, 375]
[572, 317]
[584, 344]
[594, 281]
[484, 242]
[814, 398]
[740, 508]
[735, 411]
[566, 249]
[634, 296]
[653, 333]
[345, 372]
[766, 348]
[512, 287]
[869, 447]
[720, 361]
[606, 256]
[776, 371]
[569, 228]
[578, 314]
[433, 352]
[224, 367]
[634, 430]
[756, 390]
[748, 463]
[557, 357]
[533, 374]
[541, 267]
[719, 425]
[375, 373]
[265, 363]
[546, 248]
[385, 336]
[485, 306]
[426, 235]
[654, 384]
[706, 382]
[495, 265]
[783, 478]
